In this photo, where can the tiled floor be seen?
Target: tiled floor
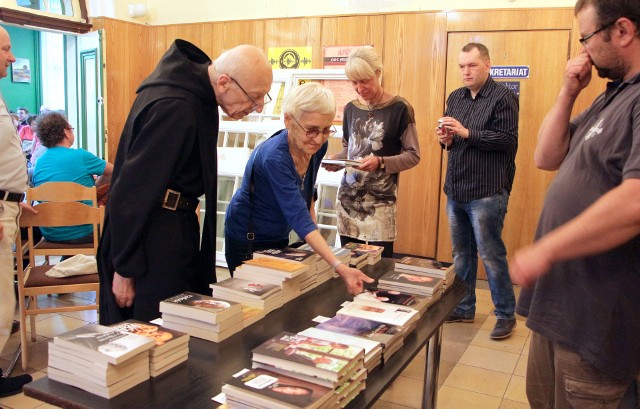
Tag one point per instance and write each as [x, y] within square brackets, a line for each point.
[475, 372]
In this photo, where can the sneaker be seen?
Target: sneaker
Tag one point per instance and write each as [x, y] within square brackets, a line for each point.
[15, 327]
[455, 317]
[504, 328]
[13, 385]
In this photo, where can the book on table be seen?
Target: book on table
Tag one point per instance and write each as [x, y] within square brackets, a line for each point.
[415, 301]
[372, 349]
[107, 392]
[266, 389]
[165, 339]
[103, 374]
[245, 288]
[275, 266]
[202, 333]
[387, 313]
[409, 281]
[310, 356]
[200, 307]
[104, 344]
[251, 315]
[231, 322]
[427, 266]
[288, 253]
[385, 334]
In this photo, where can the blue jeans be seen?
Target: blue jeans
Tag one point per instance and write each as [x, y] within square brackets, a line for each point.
[476, 227]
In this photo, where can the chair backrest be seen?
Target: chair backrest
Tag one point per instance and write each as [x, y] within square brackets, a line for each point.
[57, 214]
[62, 192]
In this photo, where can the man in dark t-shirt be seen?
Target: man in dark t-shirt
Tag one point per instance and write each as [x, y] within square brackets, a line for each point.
[582, 273]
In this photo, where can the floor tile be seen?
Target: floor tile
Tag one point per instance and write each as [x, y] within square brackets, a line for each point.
[416, 368]
[444, 370]
[452, 350]
[478, 380]
[516, 390]
[510, 404]
[525, 349]
[455, 398]
[491, 359]
[483, 295]
[484, 307]
[382, 404]
[513, 344]
[404, 391]
[521, 366]
[57, 325]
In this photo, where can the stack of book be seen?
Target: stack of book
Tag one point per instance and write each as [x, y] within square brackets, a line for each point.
[171, 347]
[305, 281]
[325, 272]
[428, 266]
[264, 389]
[389, 336]
[419, 303]
[358, 259]
[283, 273]
[251, 293]
[399, 316]
[372, 349]
[373, 253]
[202, 316]
[100, 360]
[411, 282]
[331, 364]
[251, 315]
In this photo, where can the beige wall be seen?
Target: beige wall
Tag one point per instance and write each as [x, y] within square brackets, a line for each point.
[193, 11]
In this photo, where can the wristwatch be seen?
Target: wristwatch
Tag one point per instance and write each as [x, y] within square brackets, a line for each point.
[381, 161]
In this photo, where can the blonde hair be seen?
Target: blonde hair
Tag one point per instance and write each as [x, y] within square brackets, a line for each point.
[310, 97]
[363, 63]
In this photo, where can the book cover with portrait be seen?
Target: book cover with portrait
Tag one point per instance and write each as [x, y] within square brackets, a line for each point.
[200, 307]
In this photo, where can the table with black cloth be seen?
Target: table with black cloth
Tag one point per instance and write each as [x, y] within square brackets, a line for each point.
[193, 383]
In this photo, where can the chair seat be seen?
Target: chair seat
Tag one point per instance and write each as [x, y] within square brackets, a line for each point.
[47, 245]
[37, 278]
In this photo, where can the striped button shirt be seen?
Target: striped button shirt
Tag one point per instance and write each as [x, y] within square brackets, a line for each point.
[484, 163]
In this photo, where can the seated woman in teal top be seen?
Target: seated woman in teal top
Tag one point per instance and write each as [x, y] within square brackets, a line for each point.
[61, 163]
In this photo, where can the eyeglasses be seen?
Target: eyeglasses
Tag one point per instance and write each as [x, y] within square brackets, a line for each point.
[586, 38]
[313, 133]
[267, 98]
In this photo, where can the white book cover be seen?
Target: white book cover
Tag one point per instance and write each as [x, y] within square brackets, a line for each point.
[388, 313]
[103, 343]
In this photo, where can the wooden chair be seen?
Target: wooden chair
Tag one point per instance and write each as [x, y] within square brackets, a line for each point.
[63, 192]
[32, 280]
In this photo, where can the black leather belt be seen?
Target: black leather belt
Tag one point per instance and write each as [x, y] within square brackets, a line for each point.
[174, 200]
[11, 197]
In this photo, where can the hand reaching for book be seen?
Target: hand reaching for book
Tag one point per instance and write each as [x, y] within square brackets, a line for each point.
[353, 278]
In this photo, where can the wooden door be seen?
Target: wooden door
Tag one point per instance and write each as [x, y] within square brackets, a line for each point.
[545, 52]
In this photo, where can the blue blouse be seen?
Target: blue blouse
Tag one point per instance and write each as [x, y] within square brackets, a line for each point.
[280, 195]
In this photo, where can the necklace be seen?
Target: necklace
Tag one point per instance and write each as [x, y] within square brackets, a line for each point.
[370, 108]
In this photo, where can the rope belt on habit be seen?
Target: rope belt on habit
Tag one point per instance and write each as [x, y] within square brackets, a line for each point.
[11, 197]
[174, 200]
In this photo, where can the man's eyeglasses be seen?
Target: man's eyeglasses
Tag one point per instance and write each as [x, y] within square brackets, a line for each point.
[586, 38]
[313, 133]
[256, 105]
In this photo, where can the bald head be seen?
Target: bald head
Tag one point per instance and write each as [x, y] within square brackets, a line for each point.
[241, 77]
[6, 56]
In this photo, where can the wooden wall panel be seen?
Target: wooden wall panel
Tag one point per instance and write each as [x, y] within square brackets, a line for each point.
[126, 65]
[418, 40]
[507, 20]
[298, 32]
[230, 34]
[356, 30]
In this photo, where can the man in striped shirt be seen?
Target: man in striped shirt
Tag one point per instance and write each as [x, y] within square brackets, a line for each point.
[480, 133]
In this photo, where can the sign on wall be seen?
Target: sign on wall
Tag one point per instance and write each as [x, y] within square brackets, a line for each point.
[510, 71]
[289, 57]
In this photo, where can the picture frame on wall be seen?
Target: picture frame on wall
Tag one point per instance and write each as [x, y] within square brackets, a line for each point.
[21, 70]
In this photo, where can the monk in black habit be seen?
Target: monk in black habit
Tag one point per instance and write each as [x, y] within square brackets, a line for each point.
[150, 248]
